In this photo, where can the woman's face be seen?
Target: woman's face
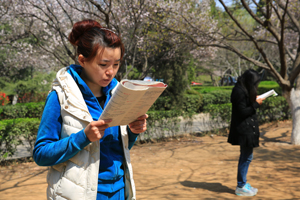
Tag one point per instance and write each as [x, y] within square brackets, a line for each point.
[100, 71]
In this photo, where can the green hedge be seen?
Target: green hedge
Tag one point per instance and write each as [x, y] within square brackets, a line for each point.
[164, 117]
[274, 108]
[191, 103]
[216, 97]
[162, 103]
[14, 132]
[197, 102]
[22, 110]
[163, 123]
[209, 89]
[219, 111]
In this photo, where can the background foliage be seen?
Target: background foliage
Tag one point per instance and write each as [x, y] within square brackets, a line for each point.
[177, 41]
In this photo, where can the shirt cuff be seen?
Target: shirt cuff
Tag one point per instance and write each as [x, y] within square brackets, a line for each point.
[131, 136]
[81, 140]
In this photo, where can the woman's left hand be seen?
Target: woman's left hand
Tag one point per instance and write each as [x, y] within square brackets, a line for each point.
[139, 125]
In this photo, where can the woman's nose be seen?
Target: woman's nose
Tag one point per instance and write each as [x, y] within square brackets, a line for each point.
[110, 70]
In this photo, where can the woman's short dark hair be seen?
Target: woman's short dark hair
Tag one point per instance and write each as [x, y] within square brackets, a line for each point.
[89, 36]
[250, 80]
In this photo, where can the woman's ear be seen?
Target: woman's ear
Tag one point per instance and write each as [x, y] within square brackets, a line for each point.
[81, 60]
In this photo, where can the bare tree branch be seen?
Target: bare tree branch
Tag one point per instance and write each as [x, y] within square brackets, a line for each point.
[103, 11]
[55, 54]
[291, 16]
[269, 64]
[283, 69]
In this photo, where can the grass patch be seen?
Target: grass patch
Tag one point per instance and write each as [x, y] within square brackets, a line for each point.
[268, 83]
[207, 89]
[204, 79]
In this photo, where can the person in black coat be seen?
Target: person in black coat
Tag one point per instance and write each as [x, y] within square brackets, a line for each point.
[244, 128]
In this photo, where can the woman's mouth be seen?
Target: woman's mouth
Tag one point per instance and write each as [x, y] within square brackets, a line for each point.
[106, 81]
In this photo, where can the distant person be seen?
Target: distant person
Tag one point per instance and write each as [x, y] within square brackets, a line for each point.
[87, 159]
[147, 78]
[244, 129]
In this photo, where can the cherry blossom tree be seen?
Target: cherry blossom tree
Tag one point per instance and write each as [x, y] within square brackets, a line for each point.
[48, 23]
[278, 30]
[274, 40]
[128, 18]
[151, 48]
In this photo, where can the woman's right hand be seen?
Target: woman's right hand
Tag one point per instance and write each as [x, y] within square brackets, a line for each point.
[95, 130]
[260, 100]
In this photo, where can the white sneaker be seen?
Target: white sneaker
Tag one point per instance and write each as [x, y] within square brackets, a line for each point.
[247, 190]
[252, 188]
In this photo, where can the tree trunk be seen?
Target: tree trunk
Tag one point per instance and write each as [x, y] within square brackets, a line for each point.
[295, 109]
[187, 78]
[215, 82]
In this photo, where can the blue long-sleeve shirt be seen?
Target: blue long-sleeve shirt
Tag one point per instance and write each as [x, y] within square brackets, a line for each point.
[51, 150]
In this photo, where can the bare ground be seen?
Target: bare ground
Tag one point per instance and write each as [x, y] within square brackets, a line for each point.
[189, 167]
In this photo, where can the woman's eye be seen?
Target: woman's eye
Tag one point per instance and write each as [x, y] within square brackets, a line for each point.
[107, 65]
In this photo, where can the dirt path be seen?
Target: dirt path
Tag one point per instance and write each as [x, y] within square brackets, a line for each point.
[188, 168]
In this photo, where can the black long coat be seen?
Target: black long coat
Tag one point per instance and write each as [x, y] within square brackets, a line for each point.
[244, 129]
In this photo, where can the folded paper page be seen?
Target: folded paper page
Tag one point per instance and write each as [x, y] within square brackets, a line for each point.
[267, 94]
[131, 99]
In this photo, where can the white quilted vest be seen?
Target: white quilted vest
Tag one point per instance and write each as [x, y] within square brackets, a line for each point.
[77, 178]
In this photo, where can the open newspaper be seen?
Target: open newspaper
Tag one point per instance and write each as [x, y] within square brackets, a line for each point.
[267, 94]
[131, 99]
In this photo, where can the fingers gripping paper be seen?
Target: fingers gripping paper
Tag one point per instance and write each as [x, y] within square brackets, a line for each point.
[131, 99]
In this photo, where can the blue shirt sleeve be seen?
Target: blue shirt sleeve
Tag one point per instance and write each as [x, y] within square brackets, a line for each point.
[49, 148]
[132, 137]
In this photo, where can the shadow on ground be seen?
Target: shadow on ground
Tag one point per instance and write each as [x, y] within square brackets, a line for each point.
[214, 187]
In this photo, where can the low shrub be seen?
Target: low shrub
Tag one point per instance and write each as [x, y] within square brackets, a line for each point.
[190, 103]
[219, 111]
[215, 97]
[275, 108]
[161, 124]
[22, 110]
[14, 132]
